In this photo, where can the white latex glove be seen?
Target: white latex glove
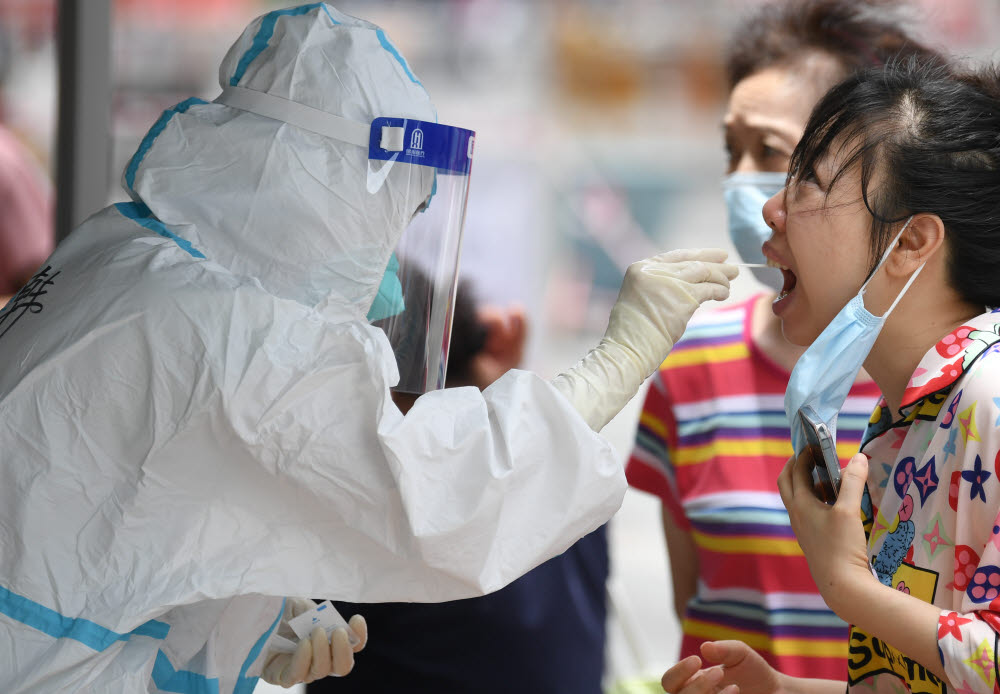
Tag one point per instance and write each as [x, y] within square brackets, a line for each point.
[315, 657]
[656, 300]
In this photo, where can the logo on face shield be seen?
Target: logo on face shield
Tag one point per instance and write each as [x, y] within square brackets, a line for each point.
[416, 148]
[417, 139]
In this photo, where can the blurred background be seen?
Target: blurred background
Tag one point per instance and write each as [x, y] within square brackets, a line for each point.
[598, 144]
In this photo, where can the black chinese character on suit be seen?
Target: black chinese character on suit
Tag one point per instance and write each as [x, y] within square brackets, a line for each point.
[28, 299]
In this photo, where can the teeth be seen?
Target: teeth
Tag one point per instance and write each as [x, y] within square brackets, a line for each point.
[772, 263]
[781, 295]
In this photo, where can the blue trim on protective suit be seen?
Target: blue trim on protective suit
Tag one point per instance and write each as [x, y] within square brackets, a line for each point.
[141, 215]
[167, 679]
[264, 34]
[157, 128]
[245, 685]
[153, 629]
[387, 45]
[90, 634]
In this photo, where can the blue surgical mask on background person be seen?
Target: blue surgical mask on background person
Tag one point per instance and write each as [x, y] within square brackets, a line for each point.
[745, 195]
[823, 375]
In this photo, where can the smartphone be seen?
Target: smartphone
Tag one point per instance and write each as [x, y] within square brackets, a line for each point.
[825, 464]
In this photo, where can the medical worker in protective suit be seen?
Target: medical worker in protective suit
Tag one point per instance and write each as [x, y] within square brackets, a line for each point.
[195, 407]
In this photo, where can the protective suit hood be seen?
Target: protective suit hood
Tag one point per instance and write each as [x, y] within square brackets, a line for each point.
[221, 177]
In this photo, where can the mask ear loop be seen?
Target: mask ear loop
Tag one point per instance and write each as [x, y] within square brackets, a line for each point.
[881, 262]
[903, 290]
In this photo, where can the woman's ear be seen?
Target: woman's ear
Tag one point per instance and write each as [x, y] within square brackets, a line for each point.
[923, 238]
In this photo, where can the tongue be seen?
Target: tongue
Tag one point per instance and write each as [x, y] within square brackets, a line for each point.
[789, 281]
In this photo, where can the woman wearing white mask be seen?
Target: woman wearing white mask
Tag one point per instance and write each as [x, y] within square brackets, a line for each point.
[901, 167]
[712, 436]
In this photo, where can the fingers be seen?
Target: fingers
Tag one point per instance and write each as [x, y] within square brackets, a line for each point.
[709, 291]
[360, 627]
[852, 482]
[702, 682]
[688, 677]
[698, 280]
[795, 477]
[708, 255]
[297, 606]
[674, 678]
[316, 657]
[272, 670]
[726, 653]
[785, 487]
[691, 271]
[321, 655]
[295, 668]
[343, 655]
[692, 265]
[701, 281]
[801, 475]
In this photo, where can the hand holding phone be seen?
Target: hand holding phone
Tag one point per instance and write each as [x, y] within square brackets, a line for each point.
[825, 470]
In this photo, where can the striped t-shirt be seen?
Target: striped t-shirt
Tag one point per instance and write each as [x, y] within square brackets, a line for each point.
[712, 439]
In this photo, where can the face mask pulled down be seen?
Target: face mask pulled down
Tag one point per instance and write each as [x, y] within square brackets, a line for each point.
[823, 375]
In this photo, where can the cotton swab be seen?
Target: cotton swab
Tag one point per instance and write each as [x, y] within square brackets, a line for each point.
[750, 265]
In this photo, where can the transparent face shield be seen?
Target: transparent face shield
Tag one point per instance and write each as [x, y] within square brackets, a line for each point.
[417, 177]
[415, 303]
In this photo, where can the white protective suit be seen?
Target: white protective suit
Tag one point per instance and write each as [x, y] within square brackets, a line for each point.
[196, 417]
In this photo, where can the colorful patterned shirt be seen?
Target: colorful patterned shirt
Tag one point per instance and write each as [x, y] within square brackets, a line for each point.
[931, 513]
[712, 439]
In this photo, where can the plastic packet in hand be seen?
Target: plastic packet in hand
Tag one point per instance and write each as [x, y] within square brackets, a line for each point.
[323, 615]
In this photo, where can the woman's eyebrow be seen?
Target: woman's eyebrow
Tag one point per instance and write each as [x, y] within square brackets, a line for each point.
[775, 126]
[791, 138]
[784, 133]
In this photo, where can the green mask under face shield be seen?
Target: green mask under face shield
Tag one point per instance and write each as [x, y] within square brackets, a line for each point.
[389, 299]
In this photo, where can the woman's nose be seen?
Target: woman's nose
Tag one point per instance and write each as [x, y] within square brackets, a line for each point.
[774, 211]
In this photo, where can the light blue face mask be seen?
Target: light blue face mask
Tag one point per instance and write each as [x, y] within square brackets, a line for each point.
[745, 195]
[823, 375]
[389, 298]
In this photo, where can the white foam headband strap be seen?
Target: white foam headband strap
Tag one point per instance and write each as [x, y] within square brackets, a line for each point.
[308, 118]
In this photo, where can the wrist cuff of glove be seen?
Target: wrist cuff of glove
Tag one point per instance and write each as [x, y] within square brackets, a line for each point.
[601, 383]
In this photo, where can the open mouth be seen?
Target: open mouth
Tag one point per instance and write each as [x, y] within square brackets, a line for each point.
[789, 277]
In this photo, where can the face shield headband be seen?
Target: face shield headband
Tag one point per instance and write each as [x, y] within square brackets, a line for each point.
[415, 300]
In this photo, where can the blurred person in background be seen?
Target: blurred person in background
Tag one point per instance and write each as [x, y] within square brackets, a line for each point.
[26, 232]
[542, 634]
[712, 435]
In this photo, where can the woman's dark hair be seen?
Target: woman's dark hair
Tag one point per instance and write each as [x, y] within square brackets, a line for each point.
[857, 34]
[930, 137]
